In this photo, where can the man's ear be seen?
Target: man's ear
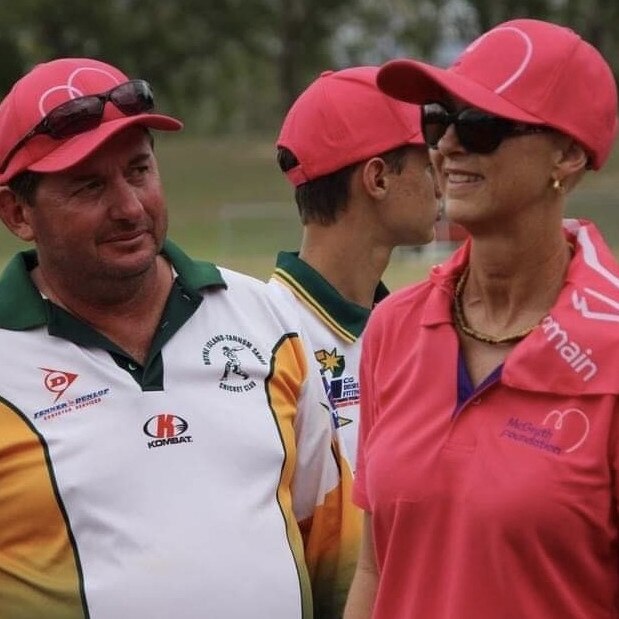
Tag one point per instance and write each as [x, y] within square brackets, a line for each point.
[375, 178]
[16, 214]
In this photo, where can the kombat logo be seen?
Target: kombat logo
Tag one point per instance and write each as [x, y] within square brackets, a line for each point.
[166, 429]
[232, 352]
[341, 390]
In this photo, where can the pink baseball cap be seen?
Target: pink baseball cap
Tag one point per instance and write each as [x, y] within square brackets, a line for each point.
[45, 87]
[525, 70]
[343, 118]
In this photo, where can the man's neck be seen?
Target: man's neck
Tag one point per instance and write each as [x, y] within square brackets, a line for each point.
[352, 265]
[128, 317]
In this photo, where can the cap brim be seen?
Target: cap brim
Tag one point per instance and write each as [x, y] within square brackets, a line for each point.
[418, 82]
[76, 149]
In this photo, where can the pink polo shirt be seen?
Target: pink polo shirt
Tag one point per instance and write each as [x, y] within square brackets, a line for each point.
[504, 507]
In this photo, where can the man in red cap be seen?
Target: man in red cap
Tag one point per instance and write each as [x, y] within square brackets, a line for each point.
[362, 185]
[138, 478]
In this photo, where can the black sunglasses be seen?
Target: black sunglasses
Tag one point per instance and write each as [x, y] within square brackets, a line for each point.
[477, 131]
[85, 113]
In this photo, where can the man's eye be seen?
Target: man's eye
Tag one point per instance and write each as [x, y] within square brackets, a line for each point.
[87, 187]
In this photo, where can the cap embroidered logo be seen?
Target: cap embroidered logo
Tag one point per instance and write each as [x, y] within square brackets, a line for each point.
[528, 52]
[68, 87]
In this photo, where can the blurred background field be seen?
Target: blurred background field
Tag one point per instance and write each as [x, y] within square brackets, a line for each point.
[229, 204]
[231, 68]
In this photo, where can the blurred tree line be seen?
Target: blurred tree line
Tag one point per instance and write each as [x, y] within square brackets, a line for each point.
[235, 65]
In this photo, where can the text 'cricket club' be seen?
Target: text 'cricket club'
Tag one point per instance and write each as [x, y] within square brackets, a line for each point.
[166, 429]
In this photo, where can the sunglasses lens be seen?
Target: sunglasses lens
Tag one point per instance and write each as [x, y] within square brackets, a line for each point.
[434, 123]
[134, 97]
[85, 113]
[479, 132]
[74, 117]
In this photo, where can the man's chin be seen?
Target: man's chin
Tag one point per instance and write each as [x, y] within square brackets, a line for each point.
[131, 265]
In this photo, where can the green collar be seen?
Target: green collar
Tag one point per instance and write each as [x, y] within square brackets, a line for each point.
[22, 307]
[347, 319]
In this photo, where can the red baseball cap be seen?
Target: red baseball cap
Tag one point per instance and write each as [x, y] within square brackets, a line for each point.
[343, 118]
[45, 87]
[525, 70]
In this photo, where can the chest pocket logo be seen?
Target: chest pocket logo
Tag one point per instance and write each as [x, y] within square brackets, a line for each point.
[571, 425]
[57, 381]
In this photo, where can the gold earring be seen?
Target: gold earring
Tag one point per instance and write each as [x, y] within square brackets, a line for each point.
[557, 186]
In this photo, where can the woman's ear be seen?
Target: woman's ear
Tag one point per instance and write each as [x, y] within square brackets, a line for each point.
[15, 214]
[570, 164]
[571, 157]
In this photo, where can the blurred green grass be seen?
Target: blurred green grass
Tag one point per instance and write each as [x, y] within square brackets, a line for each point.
[229, 203]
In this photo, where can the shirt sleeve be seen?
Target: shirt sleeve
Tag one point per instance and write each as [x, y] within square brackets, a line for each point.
[330, 524]
[367, 414]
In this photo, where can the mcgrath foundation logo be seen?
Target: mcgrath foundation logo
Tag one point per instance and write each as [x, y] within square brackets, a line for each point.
[234, 354]
[57, 381]
[166, 429]
[560, 432]
[571, 427]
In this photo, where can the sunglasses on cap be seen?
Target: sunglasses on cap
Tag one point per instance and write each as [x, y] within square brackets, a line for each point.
[85, 113]
[477, 131]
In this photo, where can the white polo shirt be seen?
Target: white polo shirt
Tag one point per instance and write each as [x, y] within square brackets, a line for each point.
[193, 486]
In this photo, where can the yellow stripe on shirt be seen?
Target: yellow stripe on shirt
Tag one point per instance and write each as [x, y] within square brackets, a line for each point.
[39, 575]
[288, 373]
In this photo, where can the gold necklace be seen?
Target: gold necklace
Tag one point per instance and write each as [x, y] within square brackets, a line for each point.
[463, 325]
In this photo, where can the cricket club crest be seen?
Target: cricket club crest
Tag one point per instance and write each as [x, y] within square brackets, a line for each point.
[234, 354]
[233, 365]
[341, 389]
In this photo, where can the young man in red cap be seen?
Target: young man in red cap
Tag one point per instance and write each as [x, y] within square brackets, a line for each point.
[141, 478]
[362, 185]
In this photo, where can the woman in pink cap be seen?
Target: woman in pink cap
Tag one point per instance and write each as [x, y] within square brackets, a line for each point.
[489, 447]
